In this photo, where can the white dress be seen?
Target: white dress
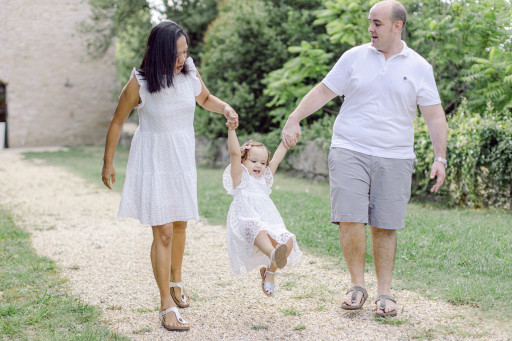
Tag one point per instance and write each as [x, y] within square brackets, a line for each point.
[253, 211]
[161, 180]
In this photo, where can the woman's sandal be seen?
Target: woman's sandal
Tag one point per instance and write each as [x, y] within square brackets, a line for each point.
[355, 290]
[174, 310]
[267, 287]
[184, 301]
[382, 306]
[278, 256]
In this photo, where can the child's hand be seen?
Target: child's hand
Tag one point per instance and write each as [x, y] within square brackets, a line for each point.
[292, 142]
[232, 124]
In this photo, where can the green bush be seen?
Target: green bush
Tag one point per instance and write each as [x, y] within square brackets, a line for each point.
[479, 151]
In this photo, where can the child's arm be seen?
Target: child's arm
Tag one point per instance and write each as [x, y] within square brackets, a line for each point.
[235, 155]
[277, 158]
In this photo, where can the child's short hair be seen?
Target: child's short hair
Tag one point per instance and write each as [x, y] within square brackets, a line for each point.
[244, 149]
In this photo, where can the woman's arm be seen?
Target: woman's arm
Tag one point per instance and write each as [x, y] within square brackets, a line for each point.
[211, 103]
[128, 99]
[235, 155]
[278, 157]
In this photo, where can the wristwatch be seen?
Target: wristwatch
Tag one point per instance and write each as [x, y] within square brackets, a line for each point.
[440, 159]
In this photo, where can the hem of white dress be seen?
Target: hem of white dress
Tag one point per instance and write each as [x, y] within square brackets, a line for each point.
[156, 223]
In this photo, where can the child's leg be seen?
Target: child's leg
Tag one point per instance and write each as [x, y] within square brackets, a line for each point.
[264, 243]
[289, 245]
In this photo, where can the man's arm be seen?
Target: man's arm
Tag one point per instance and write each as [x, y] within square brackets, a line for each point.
[314, 100]
[436, 122]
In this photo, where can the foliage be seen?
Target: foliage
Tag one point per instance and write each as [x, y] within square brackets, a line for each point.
[480, 159]
[194, 16]
[248, 40]
[127, 22]
[240, 48]
[288, 85]
[346, 21]
[468, 44]
[130, 44]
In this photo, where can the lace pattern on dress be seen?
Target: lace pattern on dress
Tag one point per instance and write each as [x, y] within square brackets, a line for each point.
[227, 180]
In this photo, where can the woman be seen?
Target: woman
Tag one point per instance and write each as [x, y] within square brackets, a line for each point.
[161, 187]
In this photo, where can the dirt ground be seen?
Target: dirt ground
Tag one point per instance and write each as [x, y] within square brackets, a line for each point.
[106, 261]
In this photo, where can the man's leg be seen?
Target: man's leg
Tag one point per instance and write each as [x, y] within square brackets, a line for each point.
[353, 243]
[384, 251]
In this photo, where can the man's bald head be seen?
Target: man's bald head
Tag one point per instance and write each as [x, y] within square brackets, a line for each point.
[397, 10]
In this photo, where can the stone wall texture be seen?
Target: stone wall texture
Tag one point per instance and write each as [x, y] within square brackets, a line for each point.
[56, 93]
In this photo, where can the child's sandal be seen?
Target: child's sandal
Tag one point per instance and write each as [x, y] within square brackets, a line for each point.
[278, 256]
[267, 287]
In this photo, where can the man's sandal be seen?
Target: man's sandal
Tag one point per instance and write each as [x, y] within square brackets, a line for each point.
[267, 287]
[382, 306]
[184, 301]
[355, 290]
[278, 256]
[174, 310]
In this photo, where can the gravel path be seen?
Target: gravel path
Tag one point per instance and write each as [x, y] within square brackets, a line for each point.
[106, 260]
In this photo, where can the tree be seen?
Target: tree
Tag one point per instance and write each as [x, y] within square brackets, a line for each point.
[247, 41]
[125, 21]
[194, 16]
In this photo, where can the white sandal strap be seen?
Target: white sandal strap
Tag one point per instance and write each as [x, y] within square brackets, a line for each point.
[176, 284]
[179, 285]
[175, 311]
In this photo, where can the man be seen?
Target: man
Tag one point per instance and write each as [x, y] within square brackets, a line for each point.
[372, 158]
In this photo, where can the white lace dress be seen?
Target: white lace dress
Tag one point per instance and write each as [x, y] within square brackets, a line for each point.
[253, 211]
[161, 180]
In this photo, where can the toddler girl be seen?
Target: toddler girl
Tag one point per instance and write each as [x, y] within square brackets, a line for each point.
[253, 219]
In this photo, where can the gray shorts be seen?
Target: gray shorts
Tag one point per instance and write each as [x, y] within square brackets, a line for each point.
[369, 189]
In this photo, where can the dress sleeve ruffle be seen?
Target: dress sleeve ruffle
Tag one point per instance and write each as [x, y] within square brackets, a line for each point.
[142, 83]
[227, 180]
[196, 83]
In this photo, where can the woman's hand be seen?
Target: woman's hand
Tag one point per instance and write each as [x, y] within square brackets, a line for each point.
[230, 115]
[108, 173]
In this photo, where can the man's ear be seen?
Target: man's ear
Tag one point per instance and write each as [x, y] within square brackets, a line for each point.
[397, 25]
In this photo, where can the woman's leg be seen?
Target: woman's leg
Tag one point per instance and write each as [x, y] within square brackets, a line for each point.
[178, 248]
[161, 262]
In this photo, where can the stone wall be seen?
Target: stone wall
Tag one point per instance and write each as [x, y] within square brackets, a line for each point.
[56, 94]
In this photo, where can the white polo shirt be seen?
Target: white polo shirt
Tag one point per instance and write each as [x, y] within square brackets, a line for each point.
[381, 98]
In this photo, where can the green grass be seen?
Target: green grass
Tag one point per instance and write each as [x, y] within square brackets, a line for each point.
[34, 304]
[459, 255]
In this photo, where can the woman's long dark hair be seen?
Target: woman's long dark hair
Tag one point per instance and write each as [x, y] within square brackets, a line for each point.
[157, 66]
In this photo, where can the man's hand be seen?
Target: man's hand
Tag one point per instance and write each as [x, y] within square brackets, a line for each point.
[437, 171]
[291, 133]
